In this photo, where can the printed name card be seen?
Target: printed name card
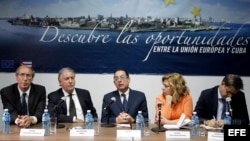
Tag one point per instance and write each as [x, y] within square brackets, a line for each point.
[32, 132]
[211, 136]
[177, 135]
[128, 133]
[82, 132]
[123, 126]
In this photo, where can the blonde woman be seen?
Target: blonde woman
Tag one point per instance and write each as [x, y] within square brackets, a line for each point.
[175, 99]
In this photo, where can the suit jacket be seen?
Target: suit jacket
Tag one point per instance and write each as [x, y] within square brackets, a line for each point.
[136, 102]
[207, 104]
[36, 102]
[84, 98]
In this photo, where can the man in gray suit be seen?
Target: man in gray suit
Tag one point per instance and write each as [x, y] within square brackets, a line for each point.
[119, 111]
[24, 100]
[80, 97]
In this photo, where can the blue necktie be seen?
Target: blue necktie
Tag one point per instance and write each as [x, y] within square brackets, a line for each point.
[223, 109]
[24, 105]
[125, 103]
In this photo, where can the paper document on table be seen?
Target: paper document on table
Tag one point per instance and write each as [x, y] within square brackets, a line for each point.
[182, 121]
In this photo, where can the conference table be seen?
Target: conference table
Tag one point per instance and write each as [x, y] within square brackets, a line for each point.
[105, 133]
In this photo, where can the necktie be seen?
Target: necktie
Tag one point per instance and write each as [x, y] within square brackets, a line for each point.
[223, 113]
[72, 108]
[24, 105]
[125, 103]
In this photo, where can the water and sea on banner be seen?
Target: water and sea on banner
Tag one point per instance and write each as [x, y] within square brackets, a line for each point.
[191, 52]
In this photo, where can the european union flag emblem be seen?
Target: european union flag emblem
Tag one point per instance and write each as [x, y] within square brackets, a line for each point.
[7, 64]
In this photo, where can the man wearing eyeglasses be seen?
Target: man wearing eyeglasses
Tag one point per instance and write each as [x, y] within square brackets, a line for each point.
[127, 101]
[210, 103]
[24, 100]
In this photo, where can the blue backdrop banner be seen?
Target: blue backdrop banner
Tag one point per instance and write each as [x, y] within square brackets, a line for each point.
[192, 37]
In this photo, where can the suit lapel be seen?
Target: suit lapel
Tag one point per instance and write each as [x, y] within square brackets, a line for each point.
[215, 101]
[31, 99]
[81, 100]
[118, 100]
[64, 106]
[131, 98]
[17, 99]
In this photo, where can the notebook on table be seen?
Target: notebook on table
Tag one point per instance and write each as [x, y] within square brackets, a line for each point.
[182, 122]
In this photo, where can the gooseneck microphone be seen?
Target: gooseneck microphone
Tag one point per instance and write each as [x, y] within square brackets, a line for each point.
[108, 110]
[159, 106]
[113, 99]
[228, 100]
[56, 109]
[59, 103]
[159, 128]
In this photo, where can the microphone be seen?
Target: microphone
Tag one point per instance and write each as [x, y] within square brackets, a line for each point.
[107, 108]
[159, 106]
[228, 100]
[113, 99]
[56, 107]
[159, 128]
[59, 103]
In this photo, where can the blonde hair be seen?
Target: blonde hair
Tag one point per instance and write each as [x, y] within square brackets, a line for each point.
[178, 85]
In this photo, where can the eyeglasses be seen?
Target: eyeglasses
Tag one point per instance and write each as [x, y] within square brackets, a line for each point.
[117, 78]
[23, 75]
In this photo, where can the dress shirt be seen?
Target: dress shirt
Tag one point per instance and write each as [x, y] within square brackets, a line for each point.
[79, 113]
[34, 118]
[126, 93]
[220, 106]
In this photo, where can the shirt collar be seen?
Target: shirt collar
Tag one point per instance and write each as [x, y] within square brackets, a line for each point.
[66, 93]
[126, 93]
[21, 92]
[219, 94]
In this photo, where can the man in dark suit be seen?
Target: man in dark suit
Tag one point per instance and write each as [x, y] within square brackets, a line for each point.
[25, 109]
[81, 99]
[135, 101]
[210, 102]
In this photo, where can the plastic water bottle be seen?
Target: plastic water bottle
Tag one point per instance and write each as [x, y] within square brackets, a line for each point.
[227, 119]
[45, 122]
[6, 122]
[89, 120]
[195, 126]
[140, 122]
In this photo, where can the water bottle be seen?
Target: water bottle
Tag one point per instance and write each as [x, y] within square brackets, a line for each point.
[227, 119]
[195, 126]
[45, 122]
[140, 122]
[89, 120]
[6, 122]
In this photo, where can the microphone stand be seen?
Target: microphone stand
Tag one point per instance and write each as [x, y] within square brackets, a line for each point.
[108, 124]
[159, 128]
[55, 109]
[57, 124]
[230, 110]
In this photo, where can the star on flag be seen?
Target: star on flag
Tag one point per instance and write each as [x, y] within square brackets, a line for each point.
[168, 2]
[196, 11]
